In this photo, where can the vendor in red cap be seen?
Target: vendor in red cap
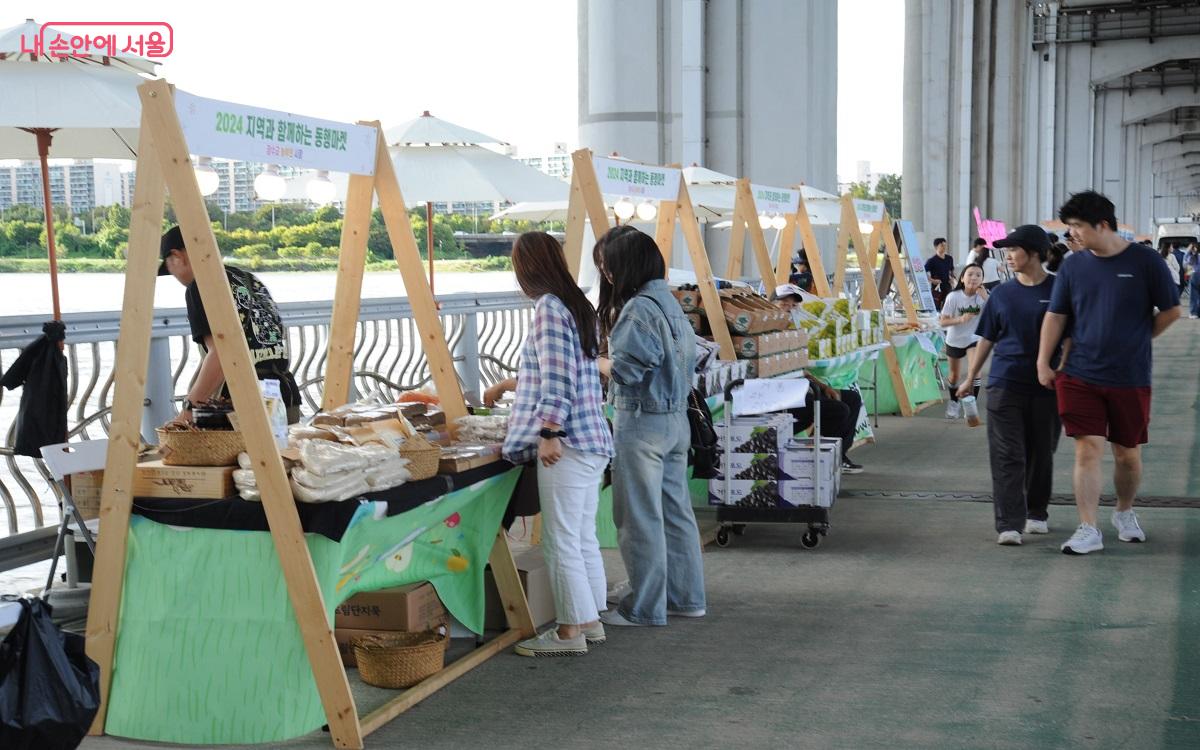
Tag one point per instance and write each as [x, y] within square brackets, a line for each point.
[261, 325]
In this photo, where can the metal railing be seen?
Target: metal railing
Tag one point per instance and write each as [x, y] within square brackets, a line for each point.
[485, 332]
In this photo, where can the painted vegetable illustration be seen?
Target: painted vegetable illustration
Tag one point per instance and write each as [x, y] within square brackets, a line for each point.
[457, 563]
[400, 559]
[453, 520]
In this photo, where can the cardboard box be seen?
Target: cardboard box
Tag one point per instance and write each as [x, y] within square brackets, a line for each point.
[153, 479]
[766, 344]
[750, 466]
[343, 636]
[797, 462]
[760, 494]
[768, 433]
[689, 299]
[408, 608]
[795, 493]
[535, 578]
[459, 458]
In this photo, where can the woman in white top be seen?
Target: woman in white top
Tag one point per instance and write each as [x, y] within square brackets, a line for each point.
[959, 316]
[1172, 262]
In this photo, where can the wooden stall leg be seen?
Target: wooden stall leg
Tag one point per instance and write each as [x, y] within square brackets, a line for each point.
[704, 275]
[304, 592]
[812, 251]
[352, 258]
[124, 436]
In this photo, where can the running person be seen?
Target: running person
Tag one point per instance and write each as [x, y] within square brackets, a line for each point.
[960, 315]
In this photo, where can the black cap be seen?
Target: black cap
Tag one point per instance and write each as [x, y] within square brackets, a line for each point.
[172, 239]
[1028, 237]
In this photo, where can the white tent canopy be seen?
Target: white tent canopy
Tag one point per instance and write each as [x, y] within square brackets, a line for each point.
[94, 110]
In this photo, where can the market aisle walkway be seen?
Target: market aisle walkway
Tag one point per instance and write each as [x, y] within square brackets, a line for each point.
[926, 453]
[907, 628]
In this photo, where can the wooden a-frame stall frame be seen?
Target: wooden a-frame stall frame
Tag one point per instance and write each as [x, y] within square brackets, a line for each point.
[586, 203]
[164, 164]
[869, 299]
[745, 219]
[801, 222]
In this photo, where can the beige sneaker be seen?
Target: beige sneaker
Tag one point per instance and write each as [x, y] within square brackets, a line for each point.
[595, 635]
[549, 644]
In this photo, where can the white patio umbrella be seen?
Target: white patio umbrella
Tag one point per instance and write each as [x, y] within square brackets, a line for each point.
[86, 107]
[437, 161]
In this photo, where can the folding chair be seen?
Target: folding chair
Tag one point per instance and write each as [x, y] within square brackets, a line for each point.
[63, 460]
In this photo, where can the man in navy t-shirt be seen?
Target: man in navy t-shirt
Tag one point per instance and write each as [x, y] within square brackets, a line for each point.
[1023, 426]
[1116, 296]
[941, 272]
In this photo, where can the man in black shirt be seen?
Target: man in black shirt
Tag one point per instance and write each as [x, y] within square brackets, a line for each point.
[261, 325]
[941, 272]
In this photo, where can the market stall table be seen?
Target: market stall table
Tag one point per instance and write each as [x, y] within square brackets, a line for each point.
[208, 650]
[844, 373]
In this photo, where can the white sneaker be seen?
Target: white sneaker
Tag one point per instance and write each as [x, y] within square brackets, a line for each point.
[694, 613]
[616, 619]
[619, 592]
[1087, 538]
[953, 410]
[1009, 538]
[1127, 526]
[595, 635]
[549, 644]
[1033, 526]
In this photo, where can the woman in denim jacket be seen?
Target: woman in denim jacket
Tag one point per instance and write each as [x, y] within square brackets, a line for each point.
[652, 356]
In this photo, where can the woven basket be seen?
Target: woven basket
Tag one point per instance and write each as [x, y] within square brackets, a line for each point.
[423, 457]
[399, 660]
[200, 447]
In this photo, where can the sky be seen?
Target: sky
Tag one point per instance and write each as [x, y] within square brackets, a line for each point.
[506, 68]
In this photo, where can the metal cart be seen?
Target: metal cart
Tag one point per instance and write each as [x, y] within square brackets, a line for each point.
[733, 519]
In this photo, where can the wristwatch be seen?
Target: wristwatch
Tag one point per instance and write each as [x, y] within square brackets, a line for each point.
[546, 434]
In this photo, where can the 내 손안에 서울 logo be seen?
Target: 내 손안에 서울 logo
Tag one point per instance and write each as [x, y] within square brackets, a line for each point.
[62, 39]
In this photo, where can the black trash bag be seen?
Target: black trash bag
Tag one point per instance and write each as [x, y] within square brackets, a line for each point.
[49, 688]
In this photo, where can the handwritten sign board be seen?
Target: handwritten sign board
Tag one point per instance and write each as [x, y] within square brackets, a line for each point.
[916, 262]
[868, 211]
[634, 180]
[238, 131]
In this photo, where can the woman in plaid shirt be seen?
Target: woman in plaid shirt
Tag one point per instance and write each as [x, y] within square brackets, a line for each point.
[558, 420]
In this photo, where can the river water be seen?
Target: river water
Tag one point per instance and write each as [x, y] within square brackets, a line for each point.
[29, 294]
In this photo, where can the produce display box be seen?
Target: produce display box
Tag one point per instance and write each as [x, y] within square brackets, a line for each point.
[750, 466]
[762, 345]
[769, 433]
[776, 364]
[794, 493]
[748, 313]
[699, 324]
[796, 463]
[746, 494]
[154, 479]
[689, 299]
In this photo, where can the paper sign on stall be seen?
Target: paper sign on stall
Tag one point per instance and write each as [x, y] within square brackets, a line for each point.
[868, 211]
[772, 200]
[762, 395]
[618, 177]
[238, 131]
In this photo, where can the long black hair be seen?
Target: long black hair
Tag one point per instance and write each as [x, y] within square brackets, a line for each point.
[632, 258]
[606, 288]
[541, 268]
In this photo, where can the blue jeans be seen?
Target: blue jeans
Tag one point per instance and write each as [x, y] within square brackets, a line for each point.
[652, 508]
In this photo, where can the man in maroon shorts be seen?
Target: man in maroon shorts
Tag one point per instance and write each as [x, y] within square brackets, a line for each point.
[1116, 296]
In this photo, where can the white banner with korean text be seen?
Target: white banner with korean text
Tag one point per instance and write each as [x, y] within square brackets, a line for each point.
[237, 131]
[772, 200]
[633, 180]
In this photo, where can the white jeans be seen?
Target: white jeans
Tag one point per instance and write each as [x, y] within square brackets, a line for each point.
[570, 494]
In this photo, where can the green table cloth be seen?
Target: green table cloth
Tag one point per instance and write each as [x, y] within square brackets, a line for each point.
[208, 650]
[917, 355]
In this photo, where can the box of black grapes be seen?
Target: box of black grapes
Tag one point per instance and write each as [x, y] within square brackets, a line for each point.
[768, 433]
[746, 494]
